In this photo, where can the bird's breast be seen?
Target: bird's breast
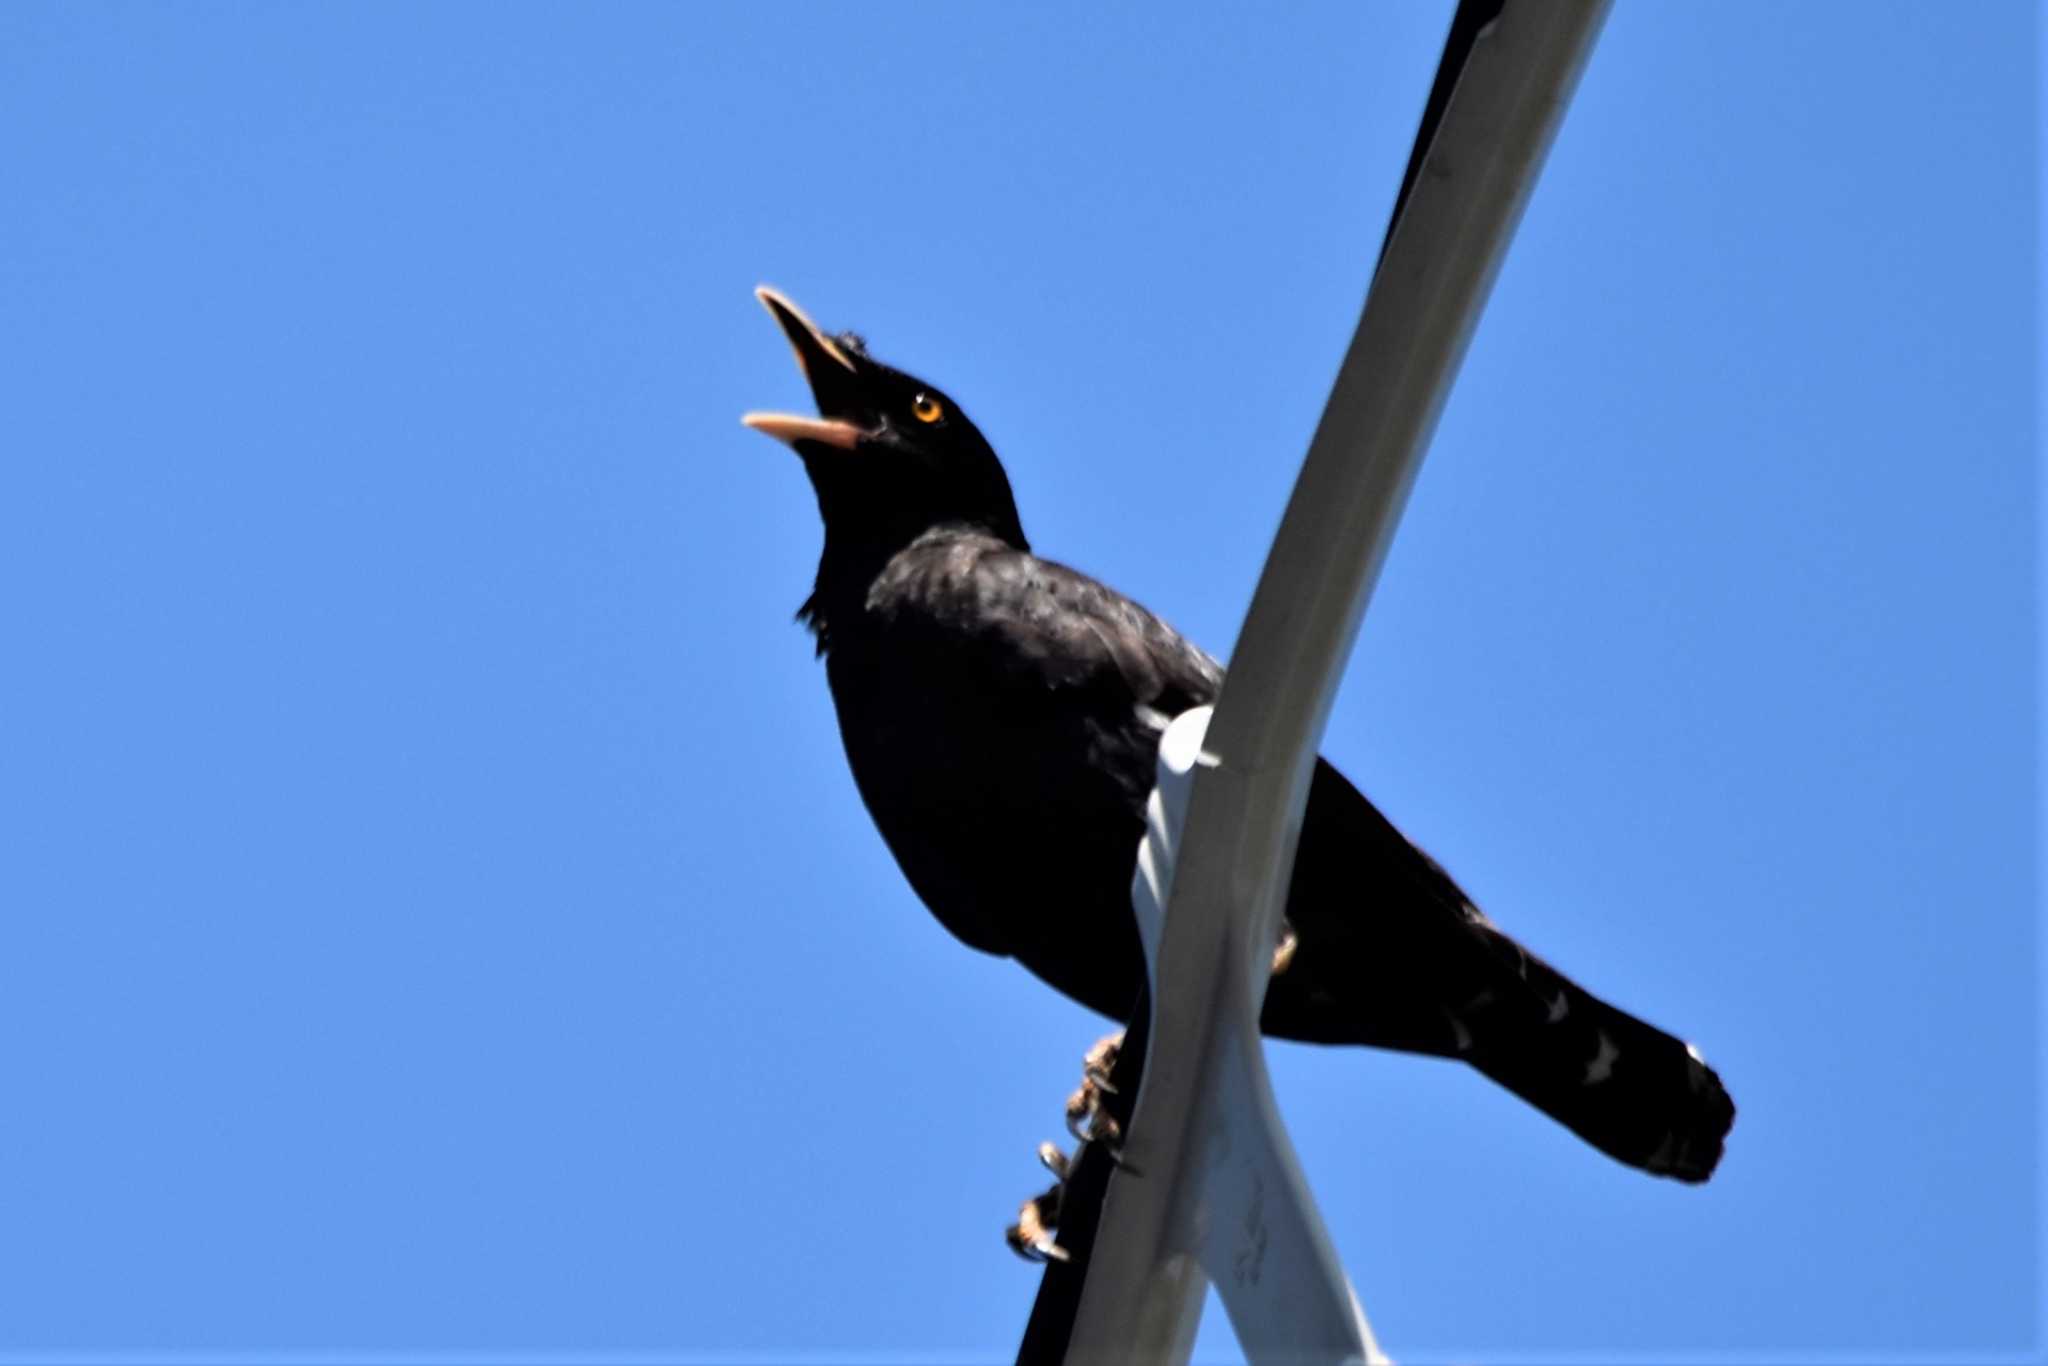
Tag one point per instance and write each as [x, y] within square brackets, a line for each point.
[1014, 813]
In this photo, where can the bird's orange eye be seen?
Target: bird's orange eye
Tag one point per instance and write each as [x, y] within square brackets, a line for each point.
[927, 409]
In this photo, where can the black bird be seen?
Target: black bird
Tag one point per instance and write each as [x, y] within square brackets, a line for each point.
[1002, 714]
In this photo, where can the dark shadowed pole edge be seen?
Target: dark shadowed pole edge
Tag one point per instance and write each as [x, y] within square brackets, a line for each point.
[1059, 1293]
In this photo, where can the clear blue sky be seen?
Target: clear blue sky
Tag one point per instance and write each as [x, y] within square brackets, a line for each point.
[435, 915]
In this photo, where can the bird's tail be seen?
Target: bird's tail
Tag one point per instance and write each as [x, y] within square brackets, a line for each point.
[1468, 991]
[1626, 1087]
[1416, 966]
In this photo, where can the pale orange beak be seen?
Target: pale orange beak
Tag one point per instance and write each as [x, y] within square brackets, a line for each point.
[830, 372]
[790, 429]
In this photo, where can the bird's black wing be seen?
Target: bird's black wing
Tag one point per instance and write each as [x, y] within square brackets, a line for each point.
[1060, 629]
[1050, 647]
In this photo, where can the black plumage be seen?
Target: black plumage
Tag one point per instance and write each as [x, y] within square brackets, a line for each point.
[1001, 714]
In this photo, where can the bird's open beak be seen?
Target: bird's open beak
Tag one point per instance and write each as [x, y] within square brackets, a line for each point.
[815, 351]
[789, 428]
[831, 373]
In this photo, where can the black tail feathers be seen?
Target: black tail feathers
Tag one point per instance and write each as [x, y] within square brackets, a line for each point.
[1392, 953]
[1629, 1089]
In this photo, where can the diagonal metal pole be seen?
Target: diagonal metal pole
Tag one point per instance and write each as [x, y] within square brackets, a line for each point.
[1213, 1192]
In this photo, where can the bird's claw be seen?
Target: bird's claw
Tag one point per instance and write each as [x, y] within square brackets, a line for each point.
[1283, 952]
[1088, 1122]
[1031, 1236]
[1100, 1061]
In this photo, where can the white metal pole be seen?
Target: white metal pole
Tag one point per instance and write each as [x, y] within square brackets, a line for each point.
[1217, 1194]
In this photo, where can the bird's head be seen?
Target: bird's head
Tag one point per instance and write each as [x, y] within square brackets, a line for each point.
[890, 456]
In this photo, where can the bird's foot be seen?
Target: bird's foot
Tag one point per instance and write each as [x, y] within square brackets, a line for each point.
[1031, 1236]
[1088, 1119]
